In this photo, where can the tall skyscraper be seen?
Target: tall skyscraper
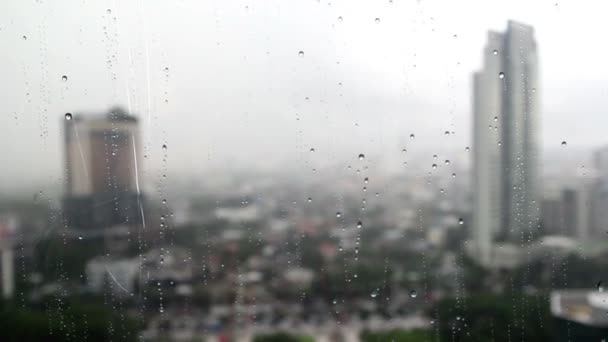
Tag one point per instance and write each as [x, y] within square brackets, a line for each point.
[102, 187]
[505, 140]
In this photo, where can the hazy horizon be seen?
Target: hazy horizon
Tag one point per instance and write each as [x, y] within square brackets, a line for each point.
[239, 93]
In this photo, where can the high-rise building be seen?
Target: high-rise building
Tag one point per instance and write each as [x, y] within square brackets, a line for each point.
[599, 194]
[505, 140]
[102, 187]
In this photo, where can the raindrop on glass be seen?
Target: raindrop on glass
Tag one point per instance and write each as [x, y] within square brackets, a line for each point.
[447, 162]
[309, 199]
[301, 53]
[359, 224]
[109, 11]
[501, 75]
[361, 156]
[68, 116]
[434, 166]
[312, 149]
[164, 147]
[467, 148]
[374, 294]
[24, 37]
[64, 78]
[413, 294]
[412, 136]
[338, 214]
[460, 221]
[495, 52]
[377, 20]
[366, 180]
[600, 286]
[340, 19]
[564, 143]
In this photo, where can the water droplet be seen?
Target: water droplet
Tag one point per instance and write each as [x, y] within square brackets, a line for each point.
[495, 52]
[309, 199]
[312, 149]
[434, 166]
[564, 143]
[68, 116]
[447, 162]
[340, 19]
[109, 11]
[301, 53]
[377, 20]
[366, 180]
[453, 175]
[164, 147]
[446, 132]
[412, 136]
[460, 221]
[374, 294]
[413, 294]
[467, 148]
[164, 201]
[434, 157]
[361, 156]
[600, 286]
[24, 37]
[501, 75]
[80, 237]
[166, 69]
[64, 78]
[338, 214]
[359, 224]
[335, 301]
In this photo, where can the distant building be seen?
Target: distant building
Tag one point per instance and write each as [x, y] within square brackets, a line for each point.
[505, 140]
[8, 227]
[552, 215]
[120, 275]
[577, 212]
[580, 315]
[101, 154]
[599, 195]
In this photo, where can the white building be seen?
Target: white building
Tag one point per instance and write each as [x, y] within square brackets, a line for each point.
[120, 275]
[505, 140]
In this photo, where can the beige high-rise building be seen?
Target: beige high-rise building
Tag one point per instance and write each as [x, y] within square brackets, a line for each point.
[102, 170]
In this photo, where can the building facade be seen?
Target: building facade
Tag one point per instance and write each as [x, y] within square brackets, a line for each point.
[102, 178]
[505, 140]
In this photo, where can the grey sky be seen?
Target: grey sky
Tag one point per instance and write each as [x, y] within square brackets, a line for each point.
[236, 85]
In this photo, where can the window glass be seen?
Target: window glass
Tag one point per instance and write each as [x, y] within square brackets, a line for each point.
[305, 170]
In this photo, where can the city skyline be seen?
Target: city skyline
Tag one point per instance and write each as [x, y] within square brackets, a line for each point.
[389, 90]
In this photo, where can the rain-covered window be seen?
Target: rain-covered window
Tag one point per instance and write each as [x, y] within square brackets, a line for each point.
[305, 170]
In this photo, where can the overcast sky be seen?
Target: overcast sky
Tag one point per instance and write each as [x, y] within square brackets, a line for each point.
[236, 87]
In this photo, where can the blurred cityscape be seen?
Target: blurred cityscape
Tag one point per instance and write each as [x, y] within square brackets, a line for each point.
[503, 250]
